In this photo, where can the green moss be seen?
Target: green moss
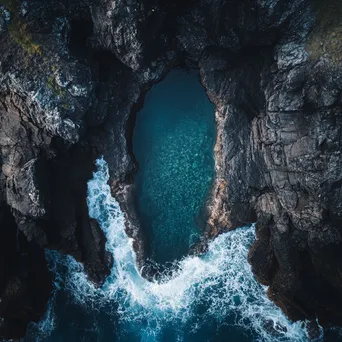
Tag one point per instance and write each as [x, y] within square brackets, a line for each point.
[54, 87]
[326, 36]
[18, 29]
[66, 106]
[21, 36]
[50, 81]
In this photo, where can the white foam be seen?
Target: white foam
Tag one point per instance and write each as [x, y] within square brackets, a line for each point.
[220, 281]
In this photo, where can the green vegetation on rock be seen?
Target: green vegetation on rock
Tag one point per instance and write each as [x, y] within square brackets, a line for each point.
[326, 36]
[53, 86]
[18, 29]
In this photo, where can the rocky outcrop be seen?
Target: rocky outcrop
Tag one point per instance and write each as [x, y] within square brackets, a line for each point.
[74, 73]
[281, 164]
[66, 97]
[278, 160]
[299, 139]
[45, 94]
[25, 282]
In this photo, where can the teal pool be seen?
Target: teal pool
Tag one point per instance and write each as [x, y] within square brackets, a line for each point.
[173, 143]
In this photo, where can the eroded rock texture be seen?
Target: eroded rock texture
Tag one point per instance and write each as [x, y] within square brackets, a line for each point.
[278, 151]
[73, 74]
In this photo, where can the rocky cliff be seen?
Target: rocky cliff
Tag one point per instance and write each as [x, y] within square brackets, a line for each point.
[74, 73]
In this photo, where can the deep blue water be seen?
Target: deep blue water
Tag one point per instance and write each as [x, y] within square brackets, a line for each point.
[173, 143]
[209, 298]
[213, 297]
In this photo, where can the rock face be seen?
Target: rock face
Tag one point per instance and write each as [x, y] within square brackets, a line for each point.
[298, 137]
[278, 159]
[74, 73]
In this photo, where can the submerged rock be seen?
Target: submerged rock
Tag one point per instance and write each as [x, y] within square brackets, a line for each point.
[73, 74]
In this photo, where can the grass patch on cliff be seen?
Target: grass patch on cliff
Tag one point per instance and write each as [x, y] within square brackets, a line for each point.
[18, 29]
[326, 36]
[19, 33]
[54, 87]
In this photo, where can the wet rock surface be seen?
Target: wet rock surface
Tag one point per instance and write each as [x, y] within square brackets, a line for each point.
[73, 74]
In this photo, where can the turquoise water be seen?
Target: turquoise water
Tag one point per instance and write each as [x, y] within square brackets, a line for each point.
[173, 143]
[213, 297]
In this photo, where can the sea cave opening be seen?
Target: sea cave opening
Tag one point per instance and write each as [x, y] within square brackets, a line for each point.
[173, 144]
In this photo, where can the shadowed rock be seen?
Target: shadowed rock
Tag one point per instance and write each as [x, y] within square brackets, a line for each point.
[73, 74]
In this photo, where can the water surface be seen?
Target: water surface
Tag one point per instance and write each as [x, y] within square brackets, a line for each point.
[173, 143]
[213, 297]
[209, 298]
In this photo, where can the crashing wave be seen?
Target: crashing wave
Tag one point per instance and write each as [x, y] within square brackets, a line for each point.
[220, 282]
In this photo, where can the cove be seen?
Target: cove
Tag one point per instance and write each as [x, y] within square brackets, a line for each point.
[173, 143]
[211, 297]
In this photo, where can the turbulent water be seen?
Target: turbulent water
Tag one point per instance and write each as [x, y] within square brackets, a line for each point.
[213, 297]
[173, 143]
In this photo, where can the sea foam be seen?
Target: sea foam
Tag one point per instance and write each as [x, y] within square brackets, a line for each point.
[220, 282]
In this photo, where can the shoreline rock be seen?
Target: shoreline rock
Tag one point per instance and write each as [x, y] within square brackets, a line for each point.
[72, 74]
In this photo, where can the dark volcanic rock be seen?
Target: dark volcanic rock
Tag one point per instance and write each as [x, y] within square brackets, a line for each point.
[74, 73]
[25, 282]
[278, 155]
[44, 97]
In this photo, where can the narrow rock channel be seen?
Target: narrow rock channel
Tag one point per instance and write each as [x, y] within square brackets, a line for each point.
[173, 145]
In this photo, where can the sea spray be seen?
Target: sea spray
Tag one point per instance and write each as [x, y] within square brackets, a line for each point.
[221, 280]
[215, 287]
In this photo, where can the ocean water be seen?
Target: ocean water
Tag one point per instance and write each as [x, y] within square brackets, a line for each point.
[213, 297]
[173, 143]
